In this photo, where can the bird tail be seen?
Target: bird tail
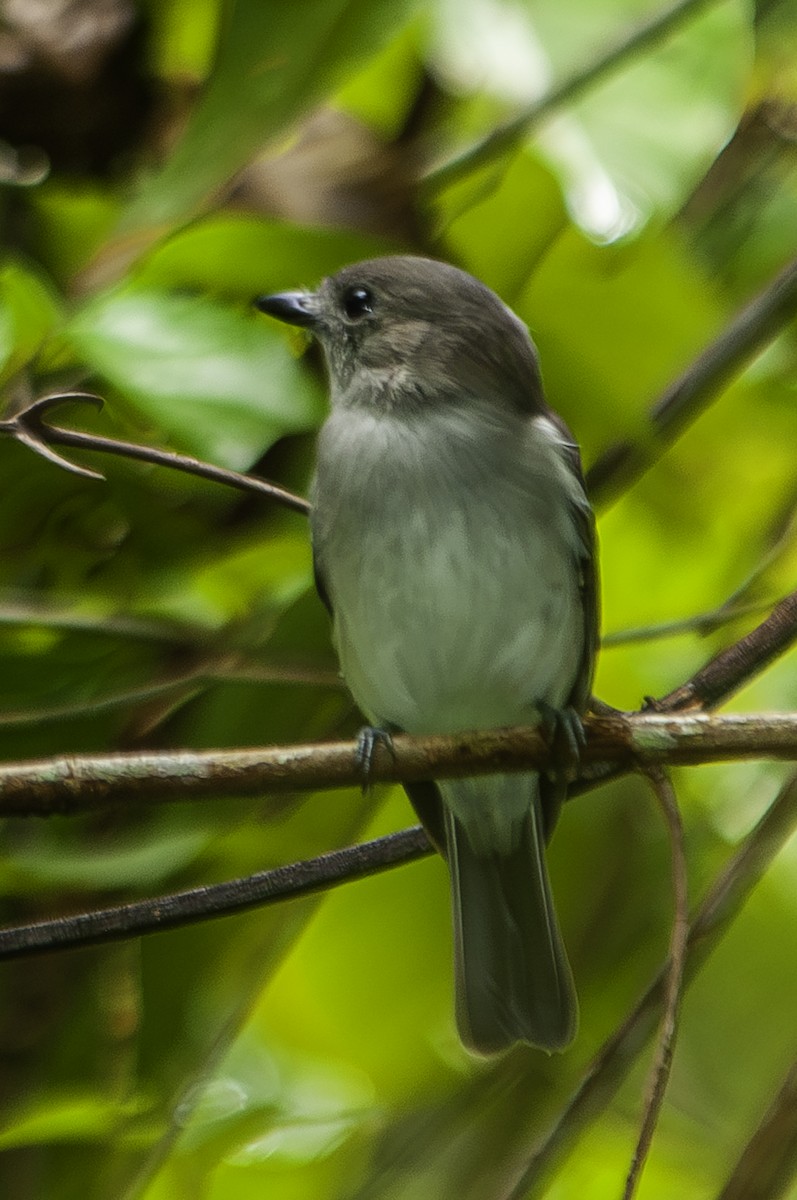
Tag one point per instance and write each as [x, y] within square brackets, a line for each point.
[513, 980]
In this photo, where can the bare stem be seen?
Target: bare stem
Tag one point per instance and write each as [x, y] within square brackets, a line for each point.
[723, 675]
[736, 665]
[217, 900]
[768, 1163]
[80, 783]
[662, 1062]
[610, 1066]
[29, 427]
[701, 624]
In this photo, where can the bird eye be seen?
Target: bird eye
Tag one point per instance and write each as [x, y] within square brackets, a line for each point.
[357, 301]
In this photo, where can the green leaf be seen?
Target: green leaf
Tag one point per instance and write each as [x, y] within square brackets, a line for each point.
[639, 140]
[28, 311]
[528, 202]
[183, 37]
[381, 94]
[221, 382]
[72, 223]
[655, 126]
[615, 324]
[274, 60]
[143, 858]
[64, 1116]
[246, 255]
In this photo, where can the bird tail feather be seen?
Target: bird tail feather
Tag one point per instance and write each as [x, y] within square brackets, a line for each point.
[513, 979]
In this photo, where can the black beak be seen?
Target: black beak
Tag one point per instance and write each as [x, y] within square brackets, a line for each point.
[295, 308]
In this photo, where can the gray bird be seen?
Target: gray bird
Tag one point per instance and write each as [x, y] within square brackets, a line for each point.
[455, 549]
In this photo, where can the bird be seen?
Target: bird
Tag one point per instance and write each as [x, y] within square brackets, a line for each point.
[454, 546]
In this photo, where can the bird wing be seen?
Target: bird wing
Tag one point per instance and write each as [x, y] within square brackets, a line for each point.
[587, 554]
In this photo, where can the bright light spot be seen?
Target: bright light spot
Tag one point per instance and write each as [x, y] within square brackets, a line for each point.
[594, 201]
[488, 46]
[295, 1142]
[211, 1102]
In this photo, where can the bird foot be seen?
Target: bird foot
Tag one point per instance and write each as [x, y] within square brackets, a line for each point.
[563, 730]
[368, 739]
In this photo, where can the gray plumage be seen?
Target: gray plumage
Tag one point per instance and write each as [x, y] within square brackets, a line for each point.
[454, 545]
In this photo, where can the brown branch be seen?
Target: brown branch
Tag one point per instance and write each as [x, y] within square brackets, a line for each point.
[59, 785]
[735, 666]
[768, 1163]
[724, 674]
[758, 323]
[218, 900]
[72, 784]
[29, 427]
[614, 471]
[662, 1062]
[78, 783]
[610, 1066]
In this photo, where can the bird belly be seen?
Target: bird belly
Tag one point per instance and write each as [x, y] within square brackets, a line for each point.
[450, 636]
[455, 606]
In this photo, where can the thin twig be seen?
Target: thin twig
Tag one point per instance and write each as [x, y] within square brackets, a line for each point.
[768, 1163]
[780, 536]
[80, 783]
[662, 1062]
[605, 1074]
[29, 427]
[76, 620]
[217, 900]
[613, 472]
[736, 665]
[189, 683]
[724, 674]
[757, 324]
[514, 132]
[169, 911]
[701, 624]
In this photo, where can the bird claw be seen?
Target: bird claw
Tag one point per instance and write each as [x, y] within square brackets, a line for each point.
[368, 739]
[563, 730]
[26, 426]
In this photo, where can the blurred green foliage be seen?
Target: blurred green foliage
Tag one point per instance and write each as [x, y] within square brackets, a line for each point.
[196, 154]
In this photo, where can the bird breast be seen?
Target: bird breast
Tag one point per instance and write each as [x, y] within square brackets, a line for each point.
[447, 546]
